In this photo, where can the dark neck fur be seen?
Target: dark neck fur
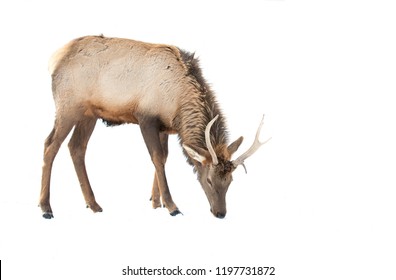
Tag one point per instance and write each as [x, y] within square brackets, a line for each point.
[199, 109]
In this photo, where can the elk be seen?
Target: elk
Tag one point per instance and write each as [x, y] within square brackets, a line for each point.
[160, 88]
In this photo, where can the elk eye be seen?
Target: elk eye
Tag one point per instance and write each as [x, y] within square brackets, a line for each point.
[209, 181]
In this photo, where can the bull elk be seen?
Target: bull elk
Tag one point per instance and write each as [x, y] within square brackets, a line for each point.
[161, 88]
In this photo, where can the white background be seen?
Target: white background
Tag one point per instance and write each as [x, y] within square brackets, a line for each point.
[318, 201]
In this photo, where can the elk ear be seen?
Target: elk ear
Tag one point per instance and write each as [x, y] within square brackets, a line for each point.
[198, 155]
[233, 147]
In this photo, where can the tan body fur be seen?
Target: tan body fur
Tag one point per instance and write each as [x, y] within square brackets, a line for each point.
[105, 76]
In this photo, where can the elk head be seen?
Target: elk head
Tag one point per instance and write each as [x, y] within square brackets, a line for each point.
[214, 167]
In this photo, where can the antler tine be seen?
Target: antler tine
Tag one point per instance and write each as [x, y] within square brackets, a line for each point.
[255, 146]
[208, 143]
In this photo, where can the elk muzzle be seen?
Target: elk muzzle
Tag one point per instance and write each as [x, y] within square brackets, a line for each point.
[218, 206]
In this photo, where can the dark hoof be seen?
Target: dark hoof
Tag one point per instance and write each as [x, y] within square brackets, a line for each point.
[48, 215]
[176, 212]
[95, 207]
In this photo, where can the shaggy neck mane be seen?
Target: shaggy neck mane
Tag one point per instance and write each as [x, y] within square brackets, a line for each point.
[198, 109]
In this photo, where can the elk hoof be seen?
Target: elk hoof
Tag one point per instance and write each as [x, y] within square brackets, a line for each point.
[175, 212]
[48, 215]
[95, 207]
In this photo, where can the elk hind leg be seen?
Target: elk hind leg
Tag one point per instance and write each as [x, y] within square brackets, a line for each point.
[51, 147]
[78, 146]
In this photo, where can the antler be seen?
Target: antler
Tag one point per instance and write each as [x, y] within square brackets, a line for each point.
[255, 146]
[208, 143]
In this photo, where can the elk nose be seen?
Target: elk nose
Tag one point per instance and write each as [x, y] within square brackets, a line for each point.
[220, 215]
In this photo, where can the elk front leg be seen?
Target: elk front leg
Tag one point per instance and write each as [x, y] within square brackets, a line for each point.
[155, 194]
[151, 135]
